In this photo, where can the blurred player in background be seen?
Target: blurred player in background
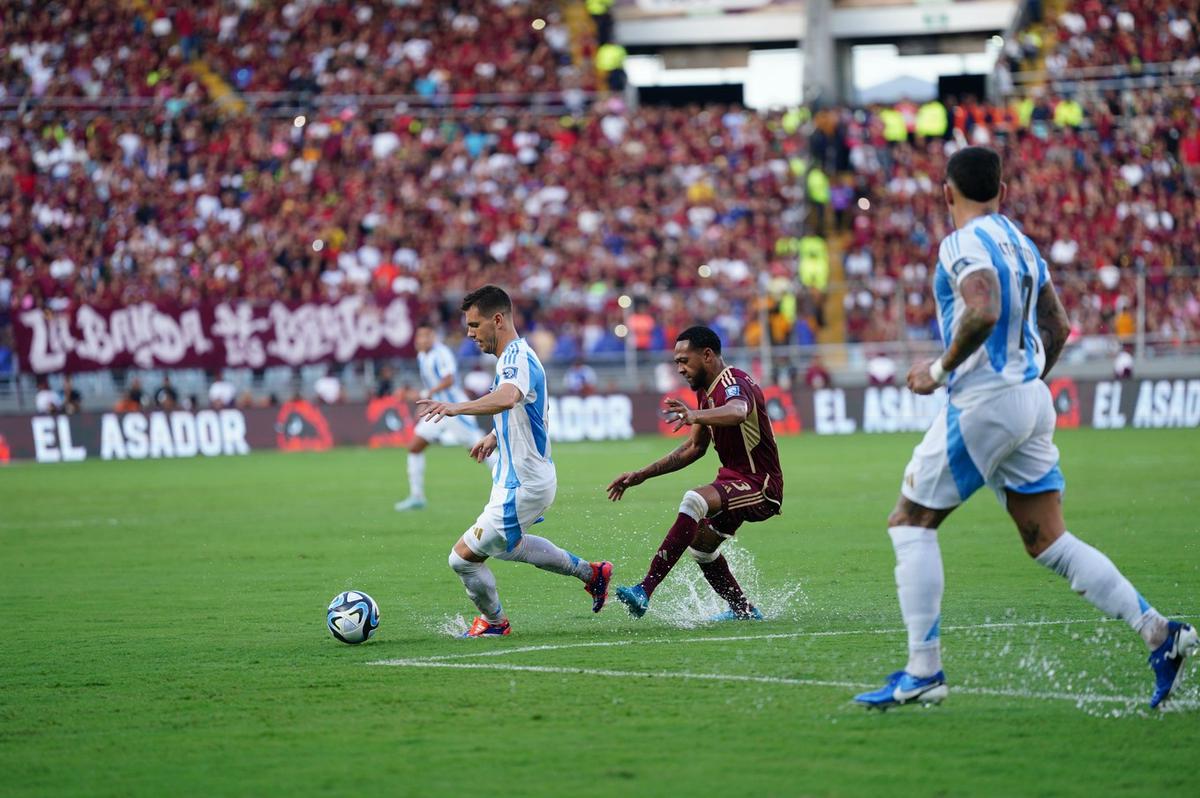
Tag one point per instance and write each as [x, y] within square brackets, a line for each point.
[994, 296]
[524, 480]
[732, 414]
[439, 378]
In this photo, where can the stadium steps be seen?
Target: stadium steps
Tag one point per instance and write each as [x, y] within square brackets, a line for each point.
[1051, 10]
[219, 91]
[834, 331]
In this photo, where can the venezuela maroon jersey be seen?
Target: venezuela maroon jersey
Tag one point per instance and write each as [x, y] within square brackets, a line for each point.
[749, 448]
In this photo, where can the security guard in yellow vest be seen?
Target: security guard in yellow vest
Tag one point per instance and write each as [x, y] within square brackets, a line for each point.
[932, 120]
[895, 129]
[814, 262]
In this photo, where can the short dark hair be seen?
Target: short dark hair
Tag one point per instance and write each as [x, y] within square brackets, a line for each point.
[975, 172]
[489, 299]
[700, 337]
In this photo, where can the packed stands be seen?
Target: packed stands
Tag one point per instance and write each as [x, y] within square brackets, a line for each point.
[1096, 37]
[121, 180]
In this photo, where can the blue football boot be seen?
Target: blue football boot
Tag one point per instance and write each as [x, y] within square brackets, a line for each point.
[731, 614]
[1167, 660]
[635, 599]
[904, 688]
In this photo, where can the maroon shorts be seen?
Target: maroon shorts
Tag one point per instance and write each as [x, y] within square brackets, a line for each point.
[744, 497]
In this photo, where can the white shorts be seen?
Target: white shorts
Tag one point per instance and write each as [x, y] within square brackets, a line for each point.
[454, 431]
[508, 514]
[1006, 442]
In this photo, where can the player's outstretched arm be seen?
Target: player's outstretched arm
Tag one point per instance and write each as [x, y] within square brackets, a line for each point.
[687, 453]
[1053, 324]
[503, 398]
[981, 293]
[730, 414]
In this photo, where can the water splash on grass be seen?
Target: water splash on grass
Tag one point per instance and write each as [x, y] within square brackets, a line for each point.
[451, 625]
[685, 600]
[1103, 664]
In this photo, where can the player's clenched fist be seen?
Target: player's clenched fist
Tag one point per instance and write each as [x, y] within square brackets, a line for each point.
[919, 379]
[617, 488]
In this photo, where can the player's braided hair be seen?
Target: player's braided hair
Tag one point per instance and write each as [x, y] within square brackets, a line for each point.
[700, 337]
[489, 299]
[975, 172]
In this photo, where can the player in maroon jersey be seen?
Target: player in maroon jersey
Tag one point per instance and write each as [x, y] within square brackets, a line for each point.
[732, 414]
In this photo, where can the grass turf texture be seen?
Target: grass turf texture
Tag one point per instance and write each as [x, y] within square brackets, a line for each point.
[165, 634]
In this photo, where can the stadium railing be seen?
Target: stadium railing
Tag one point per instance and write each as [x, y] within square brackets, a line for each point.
[1104, 78]
[283, 104]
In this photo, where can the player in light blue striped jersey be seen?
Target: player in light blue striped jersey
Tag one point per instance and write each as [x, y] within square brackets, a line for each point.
[1003, 328]
[524, 480]
[439, 378]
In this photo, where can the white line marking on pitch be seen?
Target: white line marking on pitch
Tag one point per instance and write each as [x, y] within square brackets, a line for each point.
[1077, 698]
[500, 652]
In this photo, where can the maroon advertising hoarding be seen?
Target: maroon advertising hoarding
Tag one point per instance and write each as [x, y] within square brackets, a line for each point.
[388, 422]
[238, 334]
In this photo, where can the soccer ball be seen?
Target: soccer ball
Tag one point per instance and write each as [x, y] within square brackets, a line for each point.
[353, 617]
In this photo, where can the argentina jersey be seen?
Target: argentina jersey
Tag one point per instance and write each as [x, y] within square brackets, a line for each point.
[1013, 353]
[434, 366]
[521, 434]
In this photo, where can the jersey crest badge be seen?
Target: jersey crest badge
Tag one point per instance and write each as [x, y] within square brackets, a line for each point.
[510, 373]
[733, 390]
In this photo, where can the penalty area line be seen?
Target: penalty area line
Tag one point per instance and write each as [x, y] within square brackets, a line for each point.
[1076, 698]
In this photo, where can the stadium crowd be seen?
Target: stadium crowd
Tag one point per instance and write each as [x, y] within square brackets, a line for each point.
[1109, 37]
[420, 48]
[1105, 196]
[677, 208]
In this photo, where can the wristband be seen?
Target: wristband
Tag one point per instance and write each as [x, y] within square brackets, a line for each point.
[938, 372]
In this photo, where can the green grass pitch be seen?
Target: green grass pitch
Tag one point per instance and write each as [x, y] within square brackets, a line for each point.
[165, 635]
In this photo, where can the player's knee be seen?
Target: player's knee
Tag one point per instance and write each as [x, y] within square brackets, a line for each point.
[702, 557]
[693, 505]
[898, 517]
[461, 565]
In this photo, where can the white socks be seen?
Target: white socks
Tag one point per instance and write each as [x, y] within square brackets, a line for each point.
[920, 581]
[919, 585]
[416, 475]
[1093, 576]
[543, 554]
[480, 583]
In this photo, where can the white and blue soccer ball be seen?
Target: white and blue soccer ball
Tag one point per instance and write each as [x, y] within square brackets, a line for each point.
[353, 617]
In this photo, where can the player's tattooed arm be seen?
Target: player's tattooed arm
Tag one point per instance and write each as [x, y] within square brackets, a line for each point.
[981, 294]
[1053, 324]
[684, 455]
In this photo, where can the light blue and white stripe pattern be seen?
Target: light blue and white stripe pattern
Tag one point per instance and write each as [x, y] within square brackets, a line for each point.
[434, 366]
[1013, 354]
[521, 435]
